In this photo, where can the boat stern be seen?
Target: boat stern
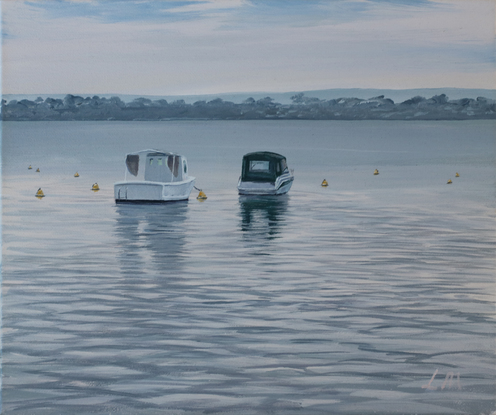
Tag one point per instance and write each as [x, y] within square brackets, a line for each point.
[279, 187]
[153, 191]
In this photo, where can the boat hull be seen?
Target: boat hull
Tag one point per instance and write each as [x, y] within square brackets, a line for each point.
[152, 192]
[279, 187]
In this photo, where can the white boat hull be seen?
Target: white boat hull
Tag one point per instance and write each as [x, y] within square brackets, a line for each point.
[147, 191]
[279, 187]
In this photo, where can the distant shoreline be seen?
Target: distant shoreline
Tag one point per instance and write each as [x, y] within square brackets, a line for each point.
[78, 108]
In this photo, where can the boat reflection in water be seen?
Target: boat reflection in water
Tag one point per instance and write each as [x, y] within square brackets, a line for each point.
[151, 237]
[263, 216]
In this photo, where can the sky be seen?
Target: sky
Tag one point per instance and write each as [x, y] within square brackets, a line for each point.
[162, 47]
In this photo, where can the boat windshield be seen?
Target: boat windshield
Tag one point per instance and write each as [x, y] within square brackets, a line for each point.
[259, 165]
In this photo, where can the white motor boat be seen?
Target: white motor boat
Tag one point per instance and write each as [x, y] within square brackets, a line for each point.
[264, 173]
[156, 176]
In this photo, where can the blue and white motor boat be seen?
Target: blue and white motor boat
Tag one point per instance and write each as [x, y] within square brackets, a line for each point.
[264, 173]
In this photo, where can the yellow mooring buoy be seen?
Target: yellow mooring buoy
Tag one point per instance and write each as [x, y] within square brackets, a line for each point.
[38, 170]
[201, 196]
[457, 175]
[30, 168]
[324, 183]
[76, 175]
[449, 181]
[376, 172]
[39, 194]
[95, 187]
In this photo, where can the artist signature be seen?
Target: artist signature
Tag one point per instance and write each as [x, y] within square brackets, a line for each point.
[448, 380]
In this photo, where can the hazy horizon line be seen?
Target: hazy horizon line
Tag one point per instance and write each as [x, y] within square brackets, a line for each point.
[253, 92]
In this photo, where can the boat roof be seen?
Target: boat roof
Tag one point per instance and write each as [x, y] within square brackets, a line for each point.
[153, 151]
[264, 155]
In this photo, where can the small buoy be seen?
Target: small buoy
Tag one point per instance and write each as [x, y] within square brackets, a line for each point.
[39, 193]
[324, 183]
[202, 196]
[95, 187]
[30, 168]
[457, 175]
[76, 175]
[37, 170]
[376, 172]
[449, 181]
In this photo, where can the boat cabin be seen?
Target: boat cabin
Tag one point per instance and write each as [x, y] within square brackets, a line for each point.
[262, 166]
[158, 166]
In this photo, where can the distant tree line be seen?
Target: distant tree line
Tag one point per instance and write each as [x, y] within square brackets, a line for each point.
[77, 108]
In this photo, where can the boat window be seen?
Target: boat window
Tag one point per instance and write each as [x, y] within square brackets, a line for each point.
[159, 161]
[151, 162]
[185, 167]
[284, 164]
[259, 165]
[132, 163]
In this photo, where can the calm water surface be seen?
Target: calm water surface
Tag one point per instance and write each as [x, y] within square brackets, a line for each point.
[373, 295]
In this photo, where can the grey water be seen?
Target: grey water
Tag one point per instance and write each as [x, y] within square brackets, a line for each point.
[372, 295]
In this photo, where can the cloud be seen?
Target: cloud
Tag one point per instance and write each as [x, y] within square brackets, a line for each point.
[113, 11]
[207, 6]
[299, 12]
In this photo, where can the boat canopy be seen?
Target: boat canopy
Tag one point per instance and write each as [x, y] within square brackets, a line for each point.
[262, 166]
[159, 166]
